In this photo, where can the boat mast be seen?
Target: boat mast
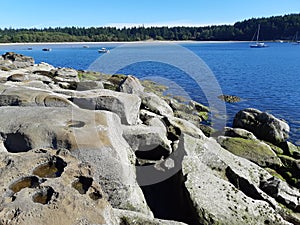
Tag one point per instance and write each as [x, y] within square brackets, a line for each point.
[258, 33]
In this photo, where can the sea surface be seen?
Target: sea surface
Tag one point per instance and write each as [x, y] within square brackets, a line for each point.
[267, 79]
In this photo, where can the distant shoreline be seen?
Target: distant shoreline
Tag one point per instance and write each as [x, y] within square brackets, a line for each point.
[114, 42]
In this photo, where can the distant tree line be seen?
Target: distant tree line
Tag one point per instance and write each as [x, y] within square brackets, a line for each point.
[272, 28]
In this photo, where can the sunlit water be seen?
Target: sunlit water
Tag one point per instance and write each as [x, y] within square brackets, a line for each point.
[267, 79]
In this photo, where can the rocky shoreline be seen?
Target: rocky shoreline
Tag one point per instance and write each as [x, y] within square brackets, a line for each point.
[79, 147]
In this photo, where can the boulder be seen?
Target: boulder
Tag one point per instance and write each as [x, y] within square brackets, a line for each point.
[191, 111]
[18, 60]
[126, 106]
[155, 104]
[282, 193]
[131, 85]
[229, 98]
[176, 127]
[235, 183]
[149, 142]
[66, 75]
[238, 132]
[219, 202]
[89, 85]
[42, 69]
[251, 149]
[198, 107]
[263, 125]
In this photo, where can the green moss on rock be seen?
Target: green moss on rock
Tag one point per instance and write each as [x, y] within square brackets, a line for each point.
[253, 150]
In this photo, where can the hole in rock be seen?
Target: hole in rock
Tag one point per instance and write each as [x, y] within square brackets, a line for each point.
[75, 123]
[53, 168]
[43, 196]
[170, 200]
[58, 143]
[82, 184]
[17, 142]
[152, 154]
[95, 195]
[25, 182]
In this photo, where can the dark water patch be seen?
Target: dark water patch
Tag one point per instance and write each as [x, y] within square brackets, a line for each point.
[51, 169]
[95, 195]
[16, 142]
[24, 182]
[44, 195]
[82, 185]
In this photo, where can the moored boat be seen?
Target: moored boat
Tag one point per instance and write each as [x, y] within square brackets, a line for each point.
[258, 44]
[103, 50]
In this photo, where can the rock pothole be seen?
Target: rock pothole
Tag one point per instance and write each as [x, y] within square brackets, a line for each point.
[95, 195]
[51, 169]
[44, 195]
[75, 123]
[24, 182]
[82, 184]
[16, 142]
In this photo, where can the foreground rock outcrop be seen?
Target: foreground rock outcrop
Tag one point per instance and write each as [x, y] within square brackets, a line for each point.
[80, 147]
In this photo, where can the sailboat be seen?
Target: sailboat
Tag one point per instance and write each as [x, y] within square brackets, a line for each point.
[258, 44]
[295, 40]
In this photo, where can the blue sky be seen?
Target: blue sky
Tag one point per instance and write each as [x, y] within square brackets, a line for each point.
[54, 13]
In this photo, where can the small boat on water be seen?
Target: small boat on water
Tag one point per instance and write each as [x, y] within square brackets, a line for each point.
[295, 40]
[46, 49]
[258, 44]
[29, 48]
[85, 46]
[103, 50]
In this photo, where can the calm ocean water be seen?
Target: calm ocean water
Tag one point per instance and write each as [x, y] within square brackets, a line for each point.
[267, 79]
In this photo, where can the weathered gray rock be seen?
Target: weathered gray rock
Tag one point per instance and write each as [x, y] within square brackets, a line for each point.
[282, 193]
[18, 60]
[129, 217]
[251, 149]
[151, 141]
[47, 186]
[146, 115]
[42, 69]
[198, 107]
[125, 105]
[242, 203]
[94, 137]
[176, 127]
[263, 125]
[24, 96]
[238, 132]
[17, 77]
[66, 75]
[226, 205]
[131, 85]
[155, 104]
[21, 77]
[89, 85]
